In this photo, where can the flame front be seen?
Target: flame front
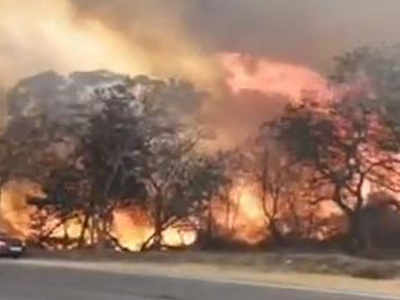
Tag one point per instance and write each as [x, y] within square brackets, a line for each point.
[240, 217]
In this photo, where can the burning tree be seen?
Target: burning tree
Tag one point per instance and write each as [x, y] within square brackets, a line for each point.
[182, 184]
[117, 150]
[280, 186]
[33, 147]
[348, 141]
[111, 146]
[134, 153]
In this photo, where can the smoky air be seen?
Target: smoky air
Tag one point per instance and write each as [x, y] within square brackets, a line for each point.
[241, 133]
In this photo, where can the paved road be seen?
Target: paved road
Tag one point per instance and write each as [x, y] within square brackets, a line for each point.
[26, 282]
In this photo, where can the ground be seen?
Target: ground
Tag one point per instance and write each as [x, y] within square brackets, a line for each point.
[330, 271]
[28, 279]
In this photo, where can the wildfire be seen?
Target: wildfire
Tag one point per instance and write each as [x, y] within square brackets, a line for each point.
[133, 226]
[15, 212]
[240, 217]
[242, 220]
[270, 77]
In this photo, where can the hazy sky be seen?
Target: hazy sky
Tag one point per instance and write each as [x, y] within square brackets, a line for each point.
[182, 36]
[296, 40]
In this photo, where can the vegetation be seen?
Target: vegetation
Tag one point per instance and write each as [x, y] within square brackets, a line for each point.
[114, 152]
[121, 149]
[350, 142]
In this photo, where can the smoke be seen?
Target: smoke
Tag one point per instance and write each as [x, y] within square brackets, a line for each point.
[181, 37]
[290, 44]
[301, 32]
[186, 38]
[47, 35]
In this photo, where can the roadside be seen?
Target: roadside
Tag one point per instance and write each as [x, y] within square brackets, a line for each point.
[330, 272]
[333, 263]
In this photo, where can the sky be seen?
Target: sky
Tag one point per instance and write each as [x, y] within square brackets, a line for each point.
[182, 37]
[244, 50]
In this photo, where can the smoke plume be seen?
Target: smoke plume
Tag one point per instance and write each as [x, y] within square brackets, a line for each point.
[252, 56]
[179, 36]
[302, 32]
[186, 39]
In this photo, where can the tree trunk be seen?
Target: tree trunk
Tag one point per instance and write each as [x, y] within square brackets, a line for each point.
[92, 230]
[66, 236]
[158, 223]
[210, 223]
[206, 231]
[81, 241]
[275, 233]
[358, 236]
[102, 233]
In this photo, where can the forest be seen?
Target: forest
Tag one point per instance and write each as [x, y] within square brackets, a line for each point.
[133, 166]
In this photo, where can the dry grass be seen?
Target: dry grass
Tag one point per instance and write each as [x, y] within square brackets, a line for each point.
[314, 263]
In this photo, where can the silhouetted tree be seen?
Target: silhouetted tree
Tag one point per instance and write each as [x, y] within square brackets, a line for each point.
[347, 140]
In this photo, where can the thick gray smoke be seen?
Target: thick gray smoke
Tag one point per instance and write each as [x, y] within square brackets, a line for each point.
[181, 36]
[308, 32]
[185, 38]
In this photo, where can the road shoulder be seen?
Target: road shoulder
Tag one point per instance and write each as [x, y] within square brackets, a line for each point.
[333, 284]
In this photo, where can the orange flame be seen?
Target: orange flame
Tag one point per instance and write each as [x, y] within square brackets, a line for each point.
[240, 217]
[15, 212]
[271, 77]
[133, 226]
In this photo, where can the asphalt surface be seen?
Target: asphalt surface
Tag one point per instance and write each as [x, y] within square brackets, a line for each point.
[27, 282]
